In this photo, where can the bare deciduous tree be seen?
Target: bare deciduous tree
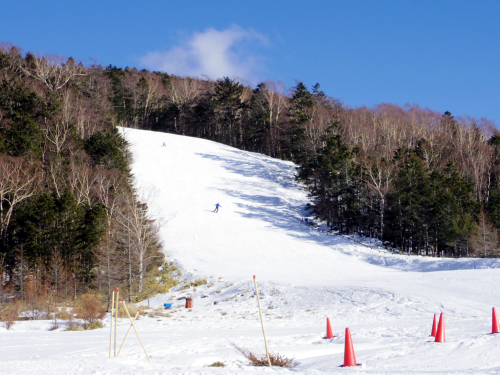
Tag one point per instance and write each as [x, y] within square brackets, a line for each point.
[52, 70]
[484, 241]
[277, 104]
[379, 176]
[57, 134]
[107, 187]
[18, 181]
[56, 270]
[140, 234]
[81, 179]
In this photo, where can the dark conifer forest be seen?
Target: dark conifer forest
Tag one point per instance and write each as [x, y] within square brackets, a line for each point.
[421, 181]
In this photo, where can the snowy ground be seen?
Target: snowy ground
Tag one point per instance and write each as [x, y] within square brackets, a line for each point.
[387, 301]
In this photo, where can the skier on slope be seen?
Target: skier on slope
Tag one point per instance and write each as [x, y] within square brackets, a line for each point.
[217, 207]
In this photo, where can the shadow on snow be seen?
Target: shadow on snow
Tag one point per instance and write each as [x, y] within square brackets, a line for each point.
[285, 213]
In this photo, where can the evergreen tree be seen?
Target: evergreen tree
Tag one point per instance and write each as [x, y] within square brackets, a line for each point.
[257, 128]
[118, 96]
[410, 201]
[228, 108]
[24, 107]
[47, 224]
[108, 149]
[330, 179]
[452, 209]
[300, 106]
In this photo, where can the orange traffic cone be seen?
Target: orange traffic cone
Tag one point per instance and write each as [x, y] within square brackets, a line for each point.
[434, 326]
[329, 333]
[349, 356]
[495, 328]
[440, 331]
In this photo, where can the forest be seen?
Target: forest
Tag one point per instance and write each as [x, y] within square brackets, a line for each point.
[70, 219]
[421, 181]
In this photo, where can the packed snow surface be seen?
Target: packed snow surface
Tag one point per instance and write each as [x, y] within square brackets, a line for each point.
[304, 276]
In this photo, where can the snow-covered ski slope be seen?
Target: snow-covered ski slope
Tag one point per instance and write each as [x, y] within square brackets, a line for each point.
[387, 301]
[258, 229]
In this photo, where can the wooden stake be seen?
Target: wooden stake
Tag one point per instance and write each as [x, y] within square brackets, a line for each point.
[111, 323]
[116, 314]
[261, 320]
[135, 329]
[129, 329]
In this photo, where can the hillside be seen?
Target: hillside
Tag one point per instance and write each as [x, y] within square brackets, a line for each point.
[257, 230]
[305, 275]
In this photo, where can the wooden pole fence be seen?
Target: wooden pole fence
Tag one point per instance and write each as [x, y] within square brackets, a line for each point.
[135, 329]
[129, 329]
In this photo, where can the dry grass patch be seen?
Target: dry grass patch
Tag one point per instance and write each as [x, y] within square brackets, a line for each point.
[162, 313]
[132, 309]
[199, 282]
[9, 313]
[261, 359]
[90, 308]
[73, 327]
[64, 314]
[94, 325]
[217, 364]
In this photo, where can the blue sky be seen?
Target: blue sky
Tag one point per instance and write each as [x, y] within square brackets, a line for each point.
[444, 55]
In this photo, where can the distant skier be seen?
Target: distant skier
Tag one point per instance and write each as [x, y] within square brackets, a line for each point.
[217, 207]
[164, 144]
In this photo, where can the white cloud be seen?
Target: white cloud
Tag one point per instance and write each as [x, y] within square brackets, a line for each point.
[212, 53]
